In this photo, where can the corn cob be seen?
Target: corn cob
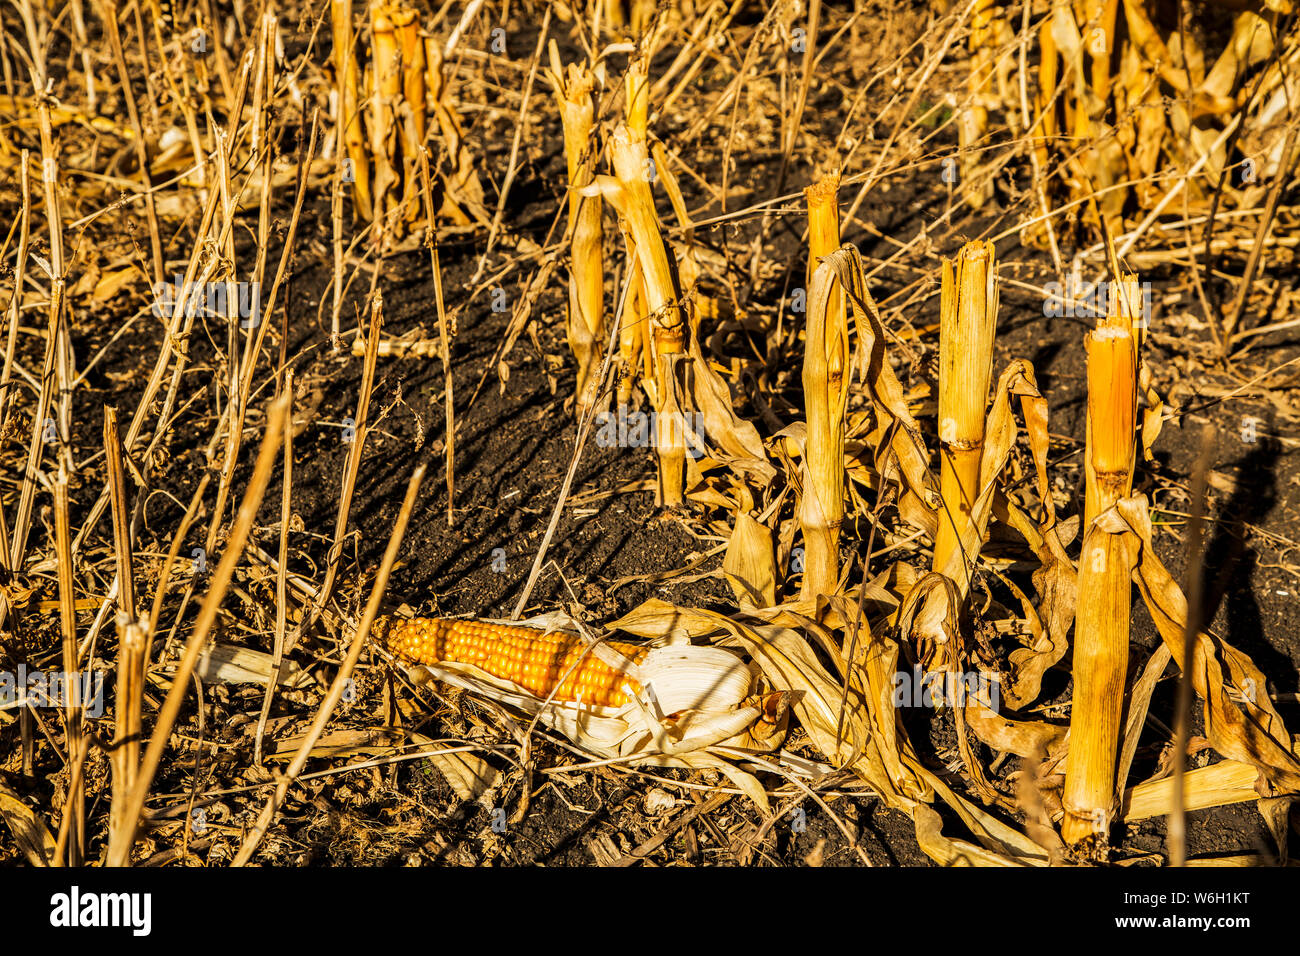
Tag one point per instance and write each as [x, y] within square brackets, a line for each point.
[536, 661]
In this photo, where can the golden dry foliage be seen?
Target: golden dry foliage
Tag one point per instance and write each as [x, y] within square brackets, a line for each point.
[1136, 110]
[383, 119]
[574, 95]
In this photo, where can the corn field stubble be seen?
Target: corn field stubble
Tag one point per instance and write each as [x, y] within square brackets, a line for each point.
[613, 548]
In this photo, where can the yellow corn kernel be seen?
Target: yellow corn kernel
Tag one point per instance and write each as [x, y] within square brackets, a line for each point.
[522, 655]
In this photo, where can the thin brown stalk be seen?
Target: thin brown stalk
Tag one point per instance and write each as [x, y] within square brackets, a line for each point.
[132, 642]
[194, 646]
[11, 341]
[360, 429]
[341, 679]
[74, 807]
[444, 337]
[281, 592]
[108, 16]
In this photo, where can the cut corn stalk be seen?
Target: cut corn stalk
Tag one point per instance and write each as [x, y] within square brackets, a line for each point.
[411, 119]
[826, 354]
[629, 193]
[385, 81]
[1101, 630]
[586, 322]
[968, 319]
[637, 87]
[351, 131]
[974, 120]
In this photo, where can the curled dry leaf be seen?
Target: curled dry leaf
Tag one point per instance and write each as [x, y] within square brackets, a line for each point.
[1241, 722]
[750, 565]
[30, 832]
[1214, 786]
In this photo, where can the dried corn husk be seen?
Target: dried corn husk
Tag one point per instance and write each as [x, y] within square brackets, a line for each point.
[586, 320]
[693, 698]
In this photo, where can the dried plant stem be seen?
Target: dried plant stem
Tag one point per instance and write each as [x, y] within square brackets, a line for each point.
[1100, 43]
[967, 325]
[11, 341]
[412, 121]
[630, 194]
[586, 319]
[131, 638]
[108, 16]
[974, 120]
[335, 693]
[120, 855]
[386, 86]
[281, 570]
[826, 353]
[444, 337]
[1101, 631]
[74, 807]
[352, 139]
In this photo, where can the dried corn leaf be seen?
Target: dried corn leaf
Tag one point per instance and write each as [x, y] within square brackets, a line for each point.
[657, 618]
[749, 564]
[1056, 582]
[1010, 845]
[725, 429]
[30, 832]
[1241, 722]
[900, 453]
[844, 735]
[949, 852]
[468, 774]
[1218, 785]
[228, 664]
[1252, 41]
[1024, 738]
